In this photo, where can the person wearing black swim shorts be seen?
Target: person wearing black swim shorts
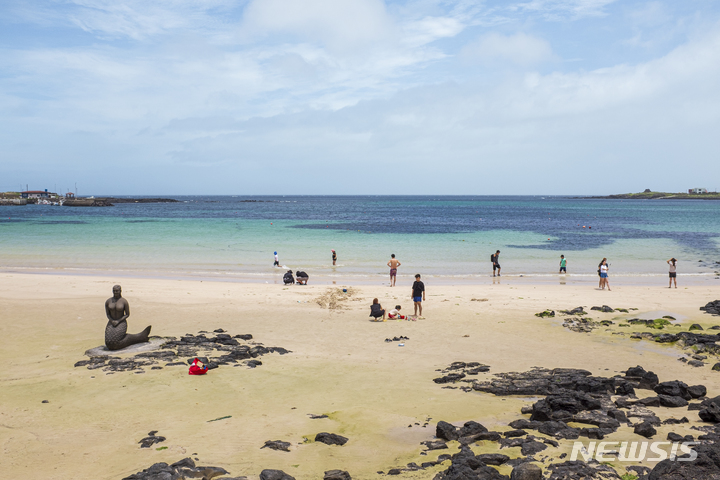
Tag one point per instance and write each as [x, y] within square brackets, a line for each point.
[495, 258]
[673, 272]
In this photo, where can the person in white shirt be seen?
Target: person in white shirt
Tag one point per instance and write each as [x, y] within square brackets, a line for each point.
[604, 275]
[395, 313]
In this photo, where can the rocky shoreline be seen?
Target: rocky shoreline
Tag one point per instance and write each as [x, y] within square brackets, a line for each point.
[649, 195]
[605, 405]
[221, 349]
[699, 346]
[111, 201]
[566, 398]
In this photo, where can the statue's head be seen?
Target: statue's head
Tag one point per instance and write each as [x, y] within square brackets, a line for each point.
[117, 291]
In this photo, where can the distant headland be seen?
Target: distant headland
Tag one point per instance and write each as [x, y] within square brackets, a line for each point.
[43, 197]
[691, 194]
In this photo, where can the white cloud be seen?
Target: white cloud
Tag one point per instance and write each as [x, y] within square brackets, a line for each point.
[429, 29]
[136, 19]
[520, 49]
[337, 24]
[560, 9]
[638, 120]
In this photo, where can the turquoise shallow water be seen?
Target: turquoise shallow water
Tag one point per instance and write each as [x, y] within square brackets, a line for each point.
[444, 237]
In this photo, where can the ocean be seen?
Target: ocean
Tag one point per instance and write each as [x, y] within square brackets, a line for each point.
[447, 238]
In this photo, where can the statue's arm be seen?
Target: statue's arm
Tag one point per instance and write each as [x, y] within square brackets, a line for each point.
[114, 322]
[107, 314]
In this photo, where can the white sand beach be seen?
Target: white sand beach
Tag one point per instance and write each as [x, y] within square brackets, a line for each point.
[378, 394]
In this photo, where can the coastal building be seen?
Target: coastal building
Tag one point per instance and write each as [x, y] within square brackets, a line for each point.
[697, 190]
[38, 194]
[12, 198]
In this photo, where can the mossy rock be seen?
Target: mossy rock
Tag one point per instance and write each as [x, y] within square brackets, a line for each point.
[546, 313]
[695, 326]
[624, 310]
[669, 317]
[659, 323]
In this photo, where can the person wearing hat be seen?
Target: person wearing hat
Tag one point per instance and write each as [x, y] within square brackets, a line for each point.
[288, 278]
[277, 261]
[334, 256]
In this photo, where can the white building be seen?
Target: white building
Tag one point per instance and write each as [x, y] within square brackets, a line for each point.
[697, 190]
[38, 194]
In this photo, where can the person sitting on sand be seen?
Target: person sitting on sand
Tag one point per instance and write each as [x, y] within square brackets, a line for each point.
[395, 313]
[673, 272]
[376, 310]
[302, 278]
[288, 278]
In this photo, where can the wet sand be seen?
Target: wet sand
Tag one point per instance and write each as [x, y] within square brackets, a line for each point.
[340, 365]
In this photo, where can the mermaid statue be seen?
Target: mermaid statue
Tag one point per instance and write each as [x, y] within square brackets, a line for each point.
[117, 310]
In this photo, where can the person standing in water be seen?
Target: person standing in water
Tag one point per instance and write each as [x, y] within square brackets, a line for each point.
[563, 264]
[334, 256]
[495, 259]
[277, 261]
[393, 264]
[673, 272]
[418, 295]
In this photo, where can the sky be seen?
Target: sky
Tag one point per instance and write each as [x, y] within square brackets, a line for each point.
[426, 97]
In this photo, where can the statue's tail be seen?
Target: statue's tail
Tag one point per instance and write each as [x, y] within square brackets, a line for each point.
[146, 333]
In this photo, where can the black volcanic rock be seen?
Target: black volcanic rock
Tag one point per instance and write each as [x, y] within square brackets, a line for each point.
[330, 439]
[446, 431]
[705, 467]
[277, 445]
[179, 470]
[712, 308]
[337, 475]
[269, 474]
[645, 429]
